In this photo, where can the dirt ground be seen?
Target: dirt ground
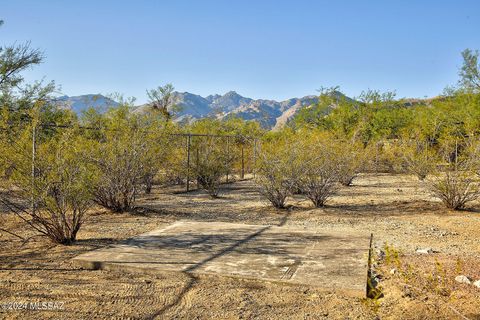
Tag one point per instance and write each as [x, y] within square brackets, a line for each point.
[397, 209]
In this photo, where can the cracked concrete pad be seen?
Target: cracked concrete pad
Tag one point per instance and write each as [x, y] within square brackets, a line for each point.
[284, 254]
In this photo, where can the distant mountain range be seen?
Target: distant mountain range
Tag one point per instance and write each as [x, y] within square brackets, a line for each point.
[269, 113]
[81, 103]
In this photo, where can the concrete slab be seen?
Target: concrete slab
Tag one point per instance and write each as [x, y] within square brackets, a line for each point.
[286, 254]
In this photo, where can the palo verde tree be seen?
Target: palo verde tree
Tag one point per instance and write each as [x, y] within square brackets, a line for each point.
[157, 135]
[211, 164]
[279, 167]
[162, 99]
[50, 186]
[318, 167]
[47, 182]
[470, 71]
[456, 185]
[120, 156]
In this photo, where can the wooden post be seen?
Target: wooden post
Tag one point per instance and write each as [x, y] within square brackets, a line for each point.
[370, 288]
[188, 161]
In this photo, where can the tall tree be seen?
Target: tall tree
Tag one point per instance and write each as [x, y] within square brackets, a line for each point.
[470, 70]
[15, 95]
[162, 99]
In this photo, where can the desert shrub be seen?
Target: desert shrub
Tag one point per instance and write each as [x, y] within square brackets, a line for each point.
[238, 140]
[350, 157]
[121, 157]
[319, 169]
[278, 169]
[61, 190]
[211, 164]
[455, 188]
[457, 184]
[157, 147]
[417, 157]
[387, 157]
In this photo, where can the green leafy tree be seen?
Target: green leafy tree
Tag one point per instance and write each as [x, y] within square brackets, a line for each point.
[470, 71]
[121, 157]
[162, 99]
[59, 186]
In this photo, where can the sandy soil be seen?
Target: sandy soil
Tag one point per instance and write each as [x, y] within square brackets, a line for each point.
[396, 209]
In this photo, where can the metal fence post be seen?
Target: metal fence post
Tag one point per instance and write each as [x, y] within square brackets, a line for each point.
[34, 151]
[243, 165]
[188, 161]
[254, 158]
[228, 154]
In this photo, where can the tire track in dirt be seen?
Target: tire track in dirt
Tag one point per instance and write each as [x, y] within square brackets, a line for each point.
[182, 301]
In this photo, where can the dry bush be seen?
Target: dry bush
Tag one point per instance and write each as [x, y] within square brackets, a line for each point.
[61, 189]
[350, 157]
[384, 156]
[417, 158]
[211, 164]
[121, 157]
[278, 170]
[120, 178]
[458, 184]
[319, 169]
[174, 170]
[455, 188]
[157, 149]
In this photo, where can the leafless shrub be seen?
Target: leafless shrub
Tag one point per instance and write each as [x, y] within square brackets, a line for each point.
[455, 188]
[458, 184]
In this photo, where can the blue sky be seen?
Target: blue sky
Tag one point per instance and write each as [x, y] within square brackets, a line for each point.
[261, 49]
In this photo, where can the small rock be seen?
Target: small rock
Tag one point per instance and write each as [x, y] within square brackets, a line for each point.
[477, 284]
[381, 254]
[147, 281]
[407, 292]
[424, 251]
[393, 271]
[463, 279]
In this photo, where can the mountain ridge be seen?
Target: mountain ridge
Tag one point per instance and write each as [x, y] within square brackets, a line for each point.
[268, 112]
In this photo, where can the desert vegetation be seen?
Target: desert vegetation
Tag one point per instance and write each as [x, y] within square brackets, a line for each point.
[60, 164]
[57, 166]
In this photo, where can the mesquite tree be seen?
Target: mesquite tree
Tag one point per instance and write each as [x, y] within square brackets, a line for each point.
[278, 168]
[211, 164]
[53, 199]
[121, 157]
[319, 169]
